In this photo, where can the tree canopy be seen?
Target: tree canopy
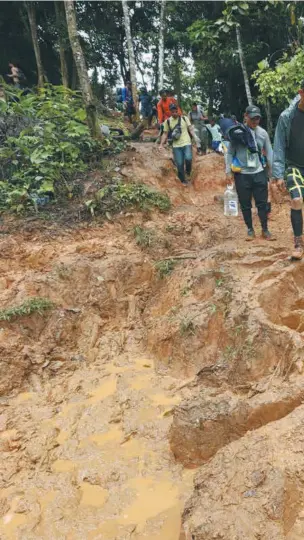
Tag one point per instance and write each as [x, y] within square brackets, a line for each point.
[201, 56]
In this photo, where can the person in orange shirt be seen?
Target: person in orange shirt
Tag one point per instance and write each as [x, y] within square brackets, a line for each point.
[163, 107]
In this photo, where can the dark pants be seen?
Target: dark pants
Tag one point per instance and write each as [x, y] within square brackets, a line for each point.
[256, 186]
[183, 156]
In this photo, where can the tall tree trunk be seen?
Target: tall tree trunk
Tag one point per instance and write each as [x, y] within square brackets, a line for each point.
[60, 21]
[243, 65]
[131, 54]
[161, 53]
[83, 76]
[177, 76]
[268, 117]
[31, 12]
[211, 100]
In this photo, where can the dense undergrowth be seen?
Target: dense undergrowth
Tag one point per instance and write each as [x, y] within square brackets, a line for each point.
[44, 142]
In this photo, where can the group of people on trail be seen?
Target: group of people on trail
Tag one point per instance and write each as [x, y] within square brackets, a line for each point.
[251, 163]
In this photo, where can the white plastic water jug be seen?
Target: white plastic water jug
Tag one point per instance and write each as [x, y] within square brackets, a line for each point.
[231, 205]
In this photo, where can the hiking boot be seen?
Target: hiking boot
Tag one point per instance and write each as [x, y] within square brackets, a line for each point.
[250, 235]
[184, 182]
[266, 234]
[297, 253]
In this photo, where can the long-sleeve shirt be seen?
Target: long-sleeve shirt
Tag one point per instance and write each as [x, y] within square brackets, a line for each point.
[163, 110]
[250, 163]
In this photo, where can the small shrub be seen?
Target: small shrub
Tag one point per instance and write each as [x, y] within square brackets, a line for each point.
[117, 197]
[143, 237]
[32, 305]
[165, 268]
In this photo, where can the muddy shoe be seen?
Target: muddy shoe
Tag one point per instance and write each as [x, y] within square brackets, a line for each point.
[268, 236]
[250, 235]
[297, 253]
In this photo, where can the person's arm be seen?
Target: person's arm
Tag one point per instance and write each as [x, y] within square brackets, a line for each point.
[279, 151]
[229, 158]
[268, 153]
[164, 136]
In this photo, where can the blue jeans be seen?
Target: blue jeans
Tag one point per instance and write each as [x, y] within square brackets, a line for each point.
[183, 156]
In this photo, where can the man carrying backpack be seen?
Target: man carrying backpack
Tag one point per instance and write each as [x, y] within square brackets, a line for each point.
[197, 119]
[182, 132]
[245, 159]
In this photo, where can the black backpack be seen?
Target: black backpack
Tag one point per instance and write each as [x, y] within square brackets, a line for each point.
[240, 134]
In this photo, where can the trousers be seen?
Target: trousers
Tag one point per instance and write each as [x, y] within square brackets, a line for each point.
[183, 158]
[252, 185]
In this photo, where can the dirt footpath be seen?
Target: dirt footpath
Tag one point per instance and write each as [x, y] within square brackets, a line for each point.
[173, 351]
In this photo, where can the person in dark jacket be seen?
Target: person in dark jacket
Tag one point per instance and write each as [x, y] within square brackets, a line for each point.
[145, 101]
[289, 151]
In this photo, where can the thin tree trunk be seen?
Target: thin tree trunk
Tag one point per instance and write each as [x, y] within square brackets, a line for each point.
[60, 21]
[131, 55]
[177, 76]
[268, 117]
[83, 76]
[161, 53]
[243, 65]
[74, 78]
[211, 100]
[31, 12]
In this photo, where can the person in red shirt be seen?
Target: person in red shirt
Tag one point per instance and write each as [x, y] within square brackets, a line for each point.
[163, 107]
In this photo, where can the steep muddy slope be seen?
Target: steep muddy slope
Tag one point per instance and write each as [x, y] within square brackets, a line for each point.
[110, 399]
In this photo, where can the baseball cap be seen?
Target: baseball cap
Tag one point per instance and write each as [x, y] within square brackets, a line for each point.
[173, 107]
[253, 111]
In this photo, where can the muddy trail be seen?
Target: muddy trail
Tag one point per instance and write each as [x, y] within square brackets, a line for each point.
[148, 406]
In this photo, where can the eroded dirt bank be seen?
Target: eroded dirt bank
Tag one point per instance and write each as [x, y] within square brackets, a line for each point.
[112, 399]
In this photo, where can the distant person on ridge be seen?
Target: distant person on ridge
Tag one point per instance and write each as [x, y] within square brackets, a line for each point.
[289, 151]
[16, 75]
[127, 100]
[197, 119]
[181, 132]
[145, 101]
[245, 159]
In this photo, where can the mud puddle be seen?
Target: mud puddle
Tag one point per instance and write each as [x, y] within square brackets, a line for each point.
[105, 469]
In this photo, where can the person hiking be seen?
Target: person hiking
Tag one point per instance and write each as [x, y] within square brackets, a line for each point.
[145, 101]
[215, 131]
[182, 132]
[244, 158]
[197, 119]
[226, 121]
[16, 75]
[163, 106]
[288, 151]
[127, 100]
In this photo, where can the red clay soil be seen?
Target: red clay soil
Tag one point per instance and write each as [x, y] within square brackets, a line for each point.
[131, 384]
